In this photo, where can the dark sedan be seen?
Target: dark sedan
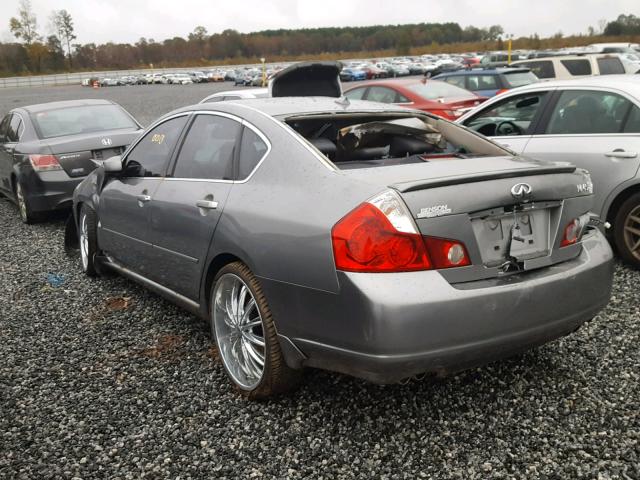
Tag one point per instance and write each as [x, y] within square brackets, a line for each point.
[47, 149]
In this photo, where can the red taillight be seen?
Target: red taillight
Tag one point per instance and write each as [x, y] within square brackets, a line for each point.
[366, 241]
[44, 162]
[380, 236]
[445, 253]
[571, 233]
[502, 90]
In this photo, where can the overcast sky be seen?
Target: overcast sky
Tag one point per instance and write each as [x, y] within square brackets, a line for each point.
[101, 21]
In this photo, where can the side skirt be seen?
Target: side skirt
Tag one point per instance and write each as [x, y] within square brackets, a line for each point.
[180, 300]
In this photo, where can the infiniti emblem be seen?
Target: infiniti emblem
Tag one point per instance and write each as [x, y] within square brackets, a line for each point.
[106, 142]
[521, 191]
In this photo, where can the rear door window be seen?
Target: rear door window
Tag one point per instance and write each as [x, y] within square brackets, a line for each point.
[13, 130]
[610, 66]
[252, 150]
[585, 111]
[208, 149]
[3, 127]
[577, 67]
[150, 157]
[632, 124]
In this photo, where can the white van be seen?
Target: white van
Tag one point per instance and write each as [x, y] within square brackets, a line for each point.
[567, 67]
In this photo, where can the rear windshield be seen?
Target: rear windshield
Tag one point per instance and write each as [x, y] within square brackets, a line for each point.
[433, 90]
[82, 119]
[520, 79]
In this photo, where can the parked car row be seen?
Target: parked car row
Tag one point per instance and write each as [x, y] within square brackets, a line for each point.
[177, 78]
[361, 232]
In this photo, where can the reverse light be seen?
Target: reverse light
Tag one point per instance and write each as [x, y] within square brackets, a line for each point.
[445, 253]
[41, 163]
[571, 233]
[381, 236]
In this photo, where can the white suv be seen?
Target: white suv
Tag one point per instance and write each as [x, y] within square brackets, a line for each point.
[567, 67]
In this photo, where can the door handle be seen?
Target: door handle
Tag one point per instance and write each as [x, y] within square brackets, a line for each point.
[619, 153]
[207, 204]
[144, 198]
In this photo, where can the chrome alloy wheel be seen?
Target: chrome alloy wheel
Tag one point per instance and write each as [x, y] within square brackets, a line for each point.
[632, 232]
[84, 242]
[238, 331]
[22, 204]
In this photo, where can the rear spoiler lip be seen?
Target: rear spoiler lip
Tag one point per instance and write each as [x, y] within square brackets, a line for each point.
[412, 186]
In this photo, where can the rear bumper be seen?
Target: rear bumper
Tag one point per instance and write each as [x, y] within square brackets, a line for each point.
[48, 191]
[388, 327]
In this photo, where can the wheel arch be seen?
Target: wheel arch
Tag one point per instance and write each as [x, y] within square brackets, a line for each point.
[619, 199]
[215, 265]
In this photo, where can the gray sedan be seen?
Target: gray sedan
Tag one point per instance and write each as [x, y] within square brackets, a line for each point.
[367, 239]
[593, 123]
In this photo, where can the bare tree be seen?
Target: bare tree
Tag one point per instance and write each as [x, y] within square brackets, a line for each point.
[25, 25]
[602, 24]
[63, 24]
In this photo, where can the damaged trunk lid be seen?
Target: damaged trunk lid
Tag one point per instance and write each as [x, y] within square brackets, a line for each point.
[509, 212]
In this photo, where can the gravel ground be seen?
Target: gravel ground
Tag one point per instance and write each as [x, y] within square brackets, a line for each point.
[101, 379]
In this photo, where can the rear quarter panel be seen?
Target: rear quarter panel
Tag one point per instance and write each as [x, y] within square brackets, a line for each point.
[279, 222]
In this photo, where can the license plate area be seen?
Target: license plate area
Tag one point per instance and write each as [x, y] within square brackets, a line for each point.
[519, 232]
[105, 153]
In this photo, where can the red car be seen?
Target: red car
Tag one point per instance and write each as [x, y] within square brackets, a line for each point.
[439, 98]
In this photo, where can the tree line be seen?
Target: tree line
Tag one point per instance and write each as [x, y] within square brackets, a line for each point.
[33, 53]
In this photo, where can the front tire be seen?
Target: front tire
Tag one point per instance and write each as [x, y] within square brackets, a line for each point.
[88, 240]
[245, 334]
[626, 231]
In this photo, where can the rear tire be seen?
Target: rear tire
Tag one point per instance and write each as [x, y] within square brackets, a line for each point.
[26, 214]
[626, 231]
[243, 329]
[88, 240]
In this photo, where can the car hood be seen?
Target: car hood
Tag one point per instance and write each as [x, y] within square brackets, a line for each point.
[307, 79]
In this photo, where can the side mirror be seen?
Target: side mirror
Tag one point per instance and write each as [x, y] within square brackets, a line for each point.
[113, 164]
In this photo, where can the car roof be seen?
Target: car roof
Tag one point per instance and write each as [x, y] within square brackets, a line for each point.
[289, 106]
[630, 83]
[43, 107]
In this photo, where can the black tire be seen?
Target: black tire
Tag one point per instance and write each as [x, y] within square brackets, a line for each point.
[626, 231]
[277, 377]
[88, 256]
[27, 215]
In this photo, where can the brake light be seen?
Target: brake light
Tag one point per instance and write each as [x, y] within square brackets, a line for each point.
[380, 236]
[42, 163]
[571, 233]
[502, 90]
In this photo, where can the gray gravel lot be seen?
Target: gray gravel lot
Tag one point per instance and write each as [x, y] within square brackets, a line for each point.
[102, 379]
